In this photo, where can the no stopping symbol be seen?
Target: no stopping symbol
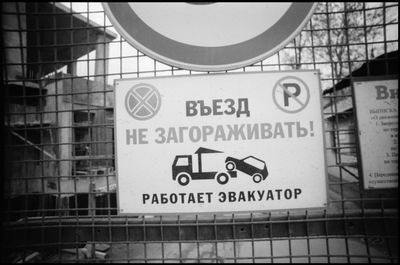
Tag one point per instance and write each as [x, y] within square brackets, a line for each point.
[291, 94]
[143, 101]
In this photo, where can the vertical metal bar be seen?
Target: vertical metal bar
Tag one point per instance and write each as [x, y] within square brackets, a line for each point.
[127, 243]
[57, 109]
[384, 35]
[365, 37]
[308, 237]
[25, 157]
[270, 236]
[312, 42]
[120, 58]
[74, 66]
[296, 56]
[234, 238]
[336, 126]
[350, 71]
[144, 238]
[197, 237]
[216, 241]
[279, 60]
[289, 237]
[179, 239]
[154, 68]
[162, 237]
[6, 119]
[104, 121]
[252, 236]
[137, 64]
[43, 198]
[74, 167]
[327, 237]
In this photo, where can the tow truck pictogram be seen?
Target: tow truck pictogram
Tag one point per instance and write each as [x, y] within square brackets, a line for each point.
[182, 168]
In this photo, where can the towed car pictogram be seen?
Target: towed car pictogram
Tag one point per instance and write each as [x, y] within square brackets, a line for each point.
[250, 165]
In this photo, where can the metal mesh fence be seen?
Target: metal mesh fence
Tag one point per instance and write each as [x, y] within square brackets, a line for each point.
[59, 61]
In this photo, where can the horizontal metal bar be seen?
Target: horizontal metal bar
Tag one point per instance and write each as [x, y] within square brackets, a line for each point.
[74, 230]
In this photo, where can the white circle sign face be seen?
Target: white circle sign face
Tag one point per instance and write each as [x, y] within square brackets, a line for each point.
[204, 25]
[209, 36]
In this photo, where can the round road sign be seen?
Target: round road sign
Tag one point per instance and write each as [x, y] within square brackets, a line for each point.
[211, 36]
[142, 101]
[291, 94]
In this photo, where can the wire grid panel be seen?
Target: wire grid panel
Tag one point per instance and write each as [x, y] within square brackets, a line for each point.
[59, 183]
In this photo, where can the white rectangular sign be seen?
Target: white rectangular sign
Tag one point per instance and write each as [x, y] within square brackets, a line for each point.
[376, 104]
[220, 143]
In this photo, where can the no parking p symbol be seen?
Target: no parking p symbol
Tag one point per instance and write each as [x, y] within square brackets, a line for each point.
[291, 94]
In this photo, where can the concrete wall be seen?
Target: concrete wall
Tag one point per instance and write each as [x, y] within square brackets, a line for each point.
[16, 55]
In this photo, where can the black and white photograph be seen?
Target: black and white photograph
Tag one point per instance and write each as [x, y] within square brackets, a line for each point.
[199, 132]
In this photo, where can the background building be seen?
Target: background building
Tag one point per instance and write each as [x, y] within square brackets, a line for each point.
[50, 115]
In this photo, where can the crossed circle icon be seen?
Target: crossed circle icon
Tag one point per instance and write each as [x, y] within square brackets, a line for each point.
[288, 100]
[143, 101]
